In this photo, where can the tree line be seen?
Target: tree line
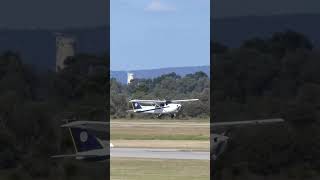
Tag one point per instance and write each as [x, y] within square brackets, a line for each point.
[33, 105]
[272, 77]
[168, 86]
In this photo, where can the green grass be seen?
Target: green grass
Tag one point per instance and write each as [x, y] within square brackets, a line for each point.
[161, 130]
[156, 169]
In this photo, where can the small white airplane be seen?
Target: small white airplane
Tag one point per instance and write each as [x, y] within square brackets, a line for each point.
[158, 107]
[219, 142]
[87, 146]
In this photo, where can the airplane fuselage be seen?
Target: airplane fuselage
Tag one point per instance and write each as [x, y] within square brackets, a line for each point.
[165, 109]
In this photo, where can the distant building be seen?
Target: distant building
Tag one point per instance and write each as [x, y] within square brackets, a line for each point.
[130, 77]
[64, 49]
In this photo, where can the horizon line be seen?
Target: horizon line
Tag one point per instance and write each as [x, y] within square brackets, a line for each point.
[160, 68]
[263, 15]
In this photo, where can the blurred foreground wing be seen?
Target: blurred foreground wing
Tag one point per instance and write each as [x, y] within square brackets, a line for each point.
[90, 125]
[72, 156]
[184, 100]
[251, 122]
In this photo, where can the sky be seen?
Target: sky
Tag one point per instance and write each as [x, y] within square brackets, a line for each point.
[145, 33]
[66, 13]
[149, 34]
[53, 14]
[229, 8]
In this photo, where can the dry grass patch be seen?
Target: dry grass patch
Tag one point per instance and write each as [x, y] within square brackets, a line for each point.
[157, 169]
[159, 130]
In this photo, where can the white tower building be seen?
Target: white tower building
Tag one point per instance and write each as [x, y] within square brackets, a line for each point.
[64, 49]
[130, 77]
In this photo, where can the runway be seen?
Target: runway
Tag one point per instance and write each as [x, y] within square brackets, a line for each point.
[158, 153]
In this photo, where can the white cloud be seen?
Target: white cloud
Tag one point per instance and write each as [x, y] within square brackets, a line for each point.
[158, 6]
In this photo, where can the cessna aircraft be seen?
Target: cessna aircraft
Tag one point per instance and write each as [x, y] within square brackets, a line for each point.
[219, 141]
[87, 146]
[158, 107]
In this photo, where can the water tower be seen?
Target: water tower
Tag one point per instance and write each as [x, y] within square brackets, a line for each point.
[130, 77]
[64, 49]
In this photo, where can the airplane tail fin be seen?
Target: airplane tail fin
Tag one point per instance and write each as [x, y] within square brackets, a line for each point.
[83, 140]
[136, 105]
[220, 148]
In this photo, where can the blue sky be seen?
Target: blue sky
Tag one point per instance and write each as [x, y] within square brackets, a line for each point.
[148, 34]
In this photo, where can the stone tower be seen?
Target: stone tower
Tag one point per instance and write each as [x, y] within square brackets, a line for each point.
[64, 49]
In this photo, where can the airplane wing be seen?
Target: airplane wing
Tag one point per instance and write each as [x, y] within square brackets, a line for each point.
[90, 125]
[161, 101]
[251, 122]
[184, 100]
[65, 156]
[74, 156]
[147, 101]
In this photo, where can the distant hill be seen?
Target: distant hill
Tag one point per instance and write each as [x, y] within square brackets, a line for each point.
[121, 76]
[37, 47]
[234, 30]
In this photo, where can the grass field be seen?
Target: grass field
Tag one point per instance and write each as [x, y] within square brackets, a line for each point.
[156, 169]
[160, 130]
[185, 135]
[200, 120]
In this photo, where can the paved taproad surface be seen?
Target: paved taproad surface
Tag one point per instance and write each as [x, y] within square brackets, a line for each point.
[158, 153]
